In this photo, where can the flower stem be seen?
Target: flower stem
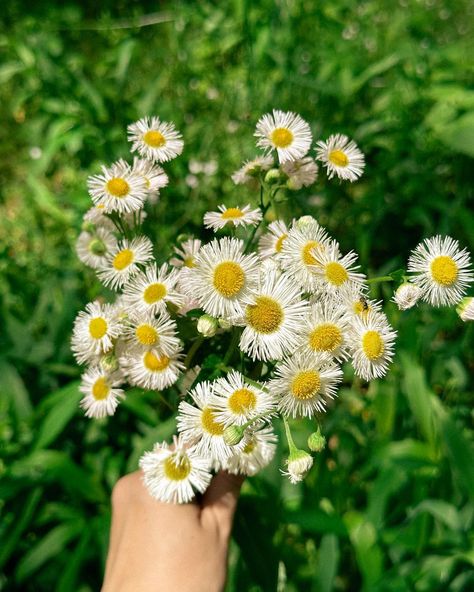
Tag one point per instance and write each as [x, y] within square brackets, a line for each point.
[382, 278]
[192, 351]
[289, 437]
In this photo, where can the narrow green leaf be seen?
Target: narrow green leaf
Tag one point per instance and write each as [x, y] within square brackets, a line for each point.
[12, 386]
[441, 510]
[328, 561]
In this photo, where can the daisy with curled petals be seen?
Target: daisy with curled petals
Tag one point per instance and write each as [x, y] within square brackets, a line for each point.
[123, 261]
[118, 189]
[247, 174]
[298, 253]
[150, 368]
[333, 271]
[93, 248]
[273, 317]
[185, 254]
[154, 176]
[287, 133]
[198, 426]
[222, 277]
[101, 395]
[150, 290]
[371, 344]
[95, 330]
[341, 157]
[174, 474]
[154, 139]
[441, 269]
[236, 216]
[271, 243]
[235, 401]
[301, 173]
[258, 450]
[326, 329]
[147, 332]
[304, 383]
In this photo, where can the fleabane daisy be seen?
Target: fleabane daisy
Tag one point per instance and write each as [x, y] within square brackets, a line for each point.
[236, 216]
[304, 383]
[154, 139]
[341, 157]
[101, 395]
[441, 269]
[154, 176]
[185, 254]
[198, 425]
[271, 243]
[118, 189]
[174, 474]
[371, 343]
[222, 277]
[92, 249]
[273, 317]
[123, 261]
[258, 450]
[353, 299]
[151, 289]
[286, 132]
[150, 368]
[301, 173]
[95, 218]
[247, 174]
[235, 401]
[334, 271]
[326, 329]
[465, 309]
[149, 332]
[95, 330]
[407, 295]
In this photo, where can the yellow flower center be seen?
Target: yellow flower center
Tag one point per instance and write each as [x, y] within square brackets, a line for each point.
[177, 468]
[155, 363]
[242, 401]
[282, 137]
[373, 345]
[229, 278]
[327, 337]
[338, 158]
[101, 389]
[146, 334]
[189, 262]
[97, 327]
[279, 243]
[305, 385]
[123, 259]
[336, 274]
[208, 422]
[250, 446]
[118, 187]
[265, 316]
[154, 138]
[444, 270]
[361, 308]
[154, 292]
[232, 213]
[307, 255]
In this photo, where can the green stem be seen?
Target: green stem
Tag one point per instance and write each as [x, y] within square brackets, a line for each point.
[232, 345]
[254, 231]
[248, 423]
[382, 278]
[192, 351]
[289, 437]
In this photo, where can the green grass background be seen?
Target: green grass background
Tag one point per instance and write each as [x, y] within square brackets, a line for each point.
[389, 504]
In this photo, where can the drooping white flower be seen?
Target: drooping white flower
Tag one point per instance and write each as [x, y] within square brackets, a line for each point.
[298, 465]
[407, 295]
[465, 309]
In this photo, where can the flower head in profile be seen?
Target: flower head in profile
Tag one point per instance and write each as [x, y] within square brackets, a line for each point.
[465, 309]
[247, 174]
[154, 139]
[301, 173]
[341, 157]
[154, 176]
[287, 133]
[234, 216]
[407, 295]
[257, 452]
[298, 465]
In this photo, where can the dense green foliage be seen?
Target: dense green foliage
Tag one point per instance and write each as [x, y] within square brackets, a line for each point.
[390, 503]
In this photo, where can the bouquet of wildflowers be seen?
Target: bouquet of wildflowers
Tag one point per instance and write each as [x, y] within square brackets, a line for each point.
[274, 312]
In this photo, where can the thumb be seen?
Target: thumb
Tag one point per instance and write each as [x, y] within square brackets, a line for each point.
[221, 498]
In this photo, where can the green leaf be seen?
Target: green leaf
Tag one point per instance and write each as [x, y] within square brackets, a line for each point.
[328, 561]
[441, 510]
[68, 579]
[369, 556]
[315, 520]
[13, 387]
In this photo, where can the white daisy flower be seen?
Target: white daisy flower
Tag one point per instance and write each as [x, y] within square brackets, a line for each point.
[326, 329]
[198, 426]
[154, 139]
[174, 475]
[287, 133]
[186, 253]
[271, 243]
[95, 330]
[341, 157]
[465, 309]
[236, 216]
[150, 290]
[407, 295]
[247, 174]
[123, 261]
[151, 369]
[301, 173]
[372, 345]
[273, 318]
[222, 277]
[297, 253]
[147, 332]
[101, 395]
[304, 383]
[235, 401]
[92, 249]
[95, 218]
[334, 271]
[258, 451]
[154, 176]
[353, 299]
[298, 465]
[441, 269]
[118, 189]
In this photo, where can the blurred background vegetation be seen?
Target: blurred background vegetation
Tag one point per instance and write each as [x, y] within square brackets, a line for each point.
[389, 505]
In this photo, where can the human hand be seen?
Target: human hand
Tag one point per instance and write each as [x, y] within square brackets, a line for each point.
[157, 547]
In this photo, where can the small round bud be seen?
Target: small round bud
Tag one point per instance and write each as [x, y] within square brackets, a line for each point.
[316, 441]
[109, 363]
[294, 184]
[182, 237]
[97, 247]
[88, 227]
[465, 309]
[273, 177]
[407, 295]
[224, 324]
[207, 325]
[298, 463]
[306, 222]
[233, 435]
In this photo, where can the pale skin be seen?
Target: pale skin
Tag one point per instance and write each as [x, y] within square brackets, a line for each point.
[158, 547]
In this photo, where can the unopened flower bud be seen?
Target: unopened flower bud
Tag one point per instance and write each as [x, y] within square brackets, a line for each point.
[109, 363]
[299, 463]
[97, 247]
[465, 309]
[207, 325]
[316, 441]
[224, 324]
[306, 222]
[273, 176]
[233, 435]
[407, 295]
[294, 184]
